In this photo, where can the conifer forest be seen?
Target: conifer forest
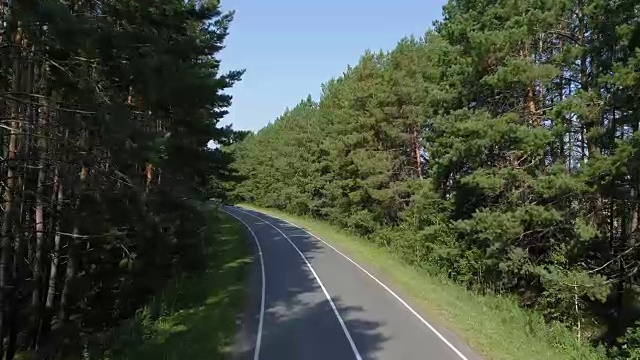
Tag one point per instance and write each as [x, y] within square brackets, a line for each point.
[501, 150]
[106, 109]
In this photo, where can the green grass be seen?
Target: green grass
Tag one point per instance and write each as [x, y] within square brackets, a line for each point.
[494, 326]
[197, 313]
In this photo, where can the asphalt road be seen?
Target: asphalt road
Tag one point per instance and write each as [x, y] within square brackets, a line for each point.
[310, 302]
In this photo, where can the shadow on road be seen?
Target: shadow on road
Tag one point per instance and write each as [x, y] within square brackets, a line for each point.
[300, 322]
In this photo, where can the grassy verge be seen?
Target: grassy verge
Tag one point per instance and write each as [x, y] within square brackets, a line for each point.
[197, 313]
[496, 327]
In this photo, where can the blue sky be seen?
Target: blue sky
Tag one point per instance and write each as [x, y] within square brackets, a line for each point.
[290, 47]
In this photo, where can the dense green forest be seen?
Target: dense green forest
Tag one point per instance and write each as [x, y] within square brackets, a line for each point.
[501, 149]
[106, 111]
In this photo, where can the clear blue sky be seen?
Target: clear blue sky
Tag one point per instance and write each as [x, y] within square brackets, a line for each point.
[290, 47]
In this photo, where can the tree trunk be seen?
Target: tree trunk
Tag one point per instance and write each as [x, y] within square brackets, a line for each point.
[531, 105]
[8, 228]
[50, 298]
[38, 267]
[72, 252]
[416, 148]
[71, 272]
[148, 170]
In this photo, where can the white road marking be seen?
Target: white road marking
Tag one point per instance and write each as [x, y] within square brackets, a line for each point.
[324, 290]
[256, 352]
[415, 313]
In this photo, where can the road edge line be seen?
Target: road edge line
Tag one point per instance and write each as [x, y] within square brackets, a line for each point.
[407, 306]
[326, 293]
[256, 352]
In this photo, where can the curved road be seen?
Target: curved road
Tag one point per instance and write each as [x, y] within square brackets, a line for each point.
[311, 302]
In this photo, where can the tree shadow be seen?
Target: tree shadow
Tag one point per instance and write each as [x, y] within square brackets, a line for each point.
[617, 316]
[299, 320]
[196, 314]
